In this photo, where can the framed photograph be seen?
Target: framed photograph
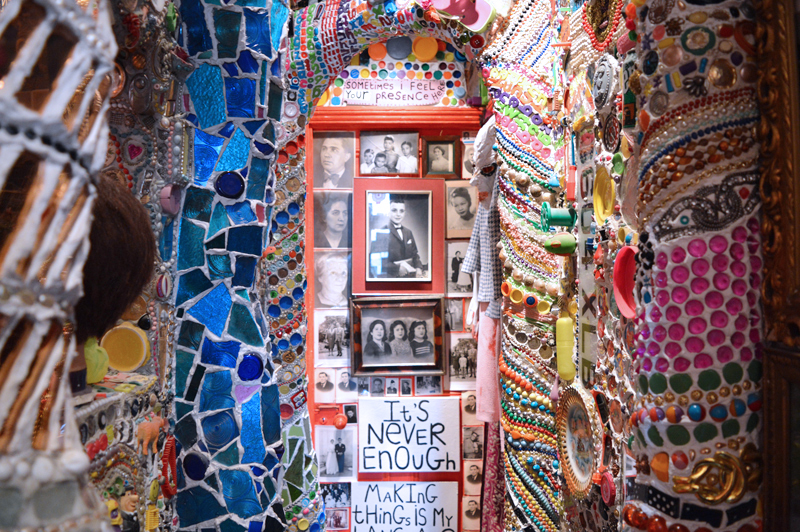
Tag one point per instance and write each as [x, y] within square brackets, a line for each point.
[462, 204]
[468, 147]
[454, 315]
[471, 513]
[472, 444]
[377, 387]
[392, 387]
[398, 235]
[397, 247]
[429, 385]
[336, 451]
[363, 386]
[331, 279]
[406, 386]
[334, 159]
[441, 157]
[389, 153]
[462, 350]
[469, 407]
[336, 494]
[351, 411]
[332, 338]
[459, 284]
[473, 477]
[337, 519]
[346, 386]
[332, 219]
[324, 390]
[397, 335]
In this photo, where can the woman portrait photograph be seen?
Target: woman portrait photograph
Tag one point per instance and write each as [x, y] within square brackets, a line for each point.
[467, 168]
[440, 158]
[397, 336]
[453, 315]
[462, 204]
[332, 220]
[459, 284]
[398, 236]
[334, 159]
[332, 279]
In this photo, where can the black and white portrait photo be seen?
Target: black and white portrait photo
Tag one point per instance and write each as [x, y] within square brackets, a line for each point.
[337, 519]
[377, 387]
[467, 168]
[389, 153]
[392, 386]
[469, 408]
[332, 279]
[332, 338]
[324, 387]
[334, 157]
[401, 336]
[429, 385]
[398, 236]
[336, 494]
[472, 444]
[459, 284]
[363, 386]
[453, 315]
[351, 412]
[473, 477]
[463, 351]
[332, 220]
[406, 384]
[440, 157]
[462, 204]
[336, 451]
[471, 512]
[346, 386]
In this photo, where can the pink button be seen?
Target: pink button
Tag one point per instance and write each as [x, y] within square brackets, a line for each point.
[655, 314]
[647, 364]
[676, 331]
[755, 281]
[738, 269]
[662, 261]
[737, 251]
[653, 348]
[715, 337]
[680, 294]
[703, 361]
[661, 279]
[694, 308]
[739, 287]
[751, 298]
[755, 262]
[737, 339]
[681, 364]
[721, 281]
[724, 354]
[662, 297]
[697, 248]
[644, 334]
[719, 319]
[697, 325]
[718, 244]
[714, 299]
[680, 274]
[695, 345]
[662, 365]
[759, 351]
[746, 354]
[699, 285]
[740, 234]
[673, 313]
[672, 349]
[752, 244]
[755, 336]
[719, 263]
[740, 323]
[659, 333]
[753, 225]
[678, 254]
[700, 267]
[733, 306]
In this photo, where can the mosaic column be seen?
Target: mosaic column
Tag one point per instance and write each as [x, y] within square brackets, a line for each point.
[696, 432]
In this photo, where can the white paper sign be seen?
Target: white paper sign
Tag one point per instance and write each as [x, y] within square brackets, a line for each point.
[405, 507]
[393, 92]
[415, 434]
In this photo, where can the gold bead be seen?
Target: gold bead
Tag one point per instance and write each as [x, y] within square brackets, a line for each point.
[683, 401]
[747, 385]
[712, 398]
[724, 391]
[737, 390]
[696, 395]
[669, 396]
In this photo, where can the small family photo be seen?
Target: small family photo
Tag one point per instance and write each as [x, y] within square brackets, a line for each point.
[440, 157]
[332, 220]
[429, 385]
[346, 386]
[335, 452]
[332, 279]
[334, 159]
[351, 412]
[389, 153]
[471, 510]
[459, 284]
[473, 477]
[406, 386]
[473, 443]
[463, 351]
[398, 236]
[469, 406]
[337, 519]
[468, 152]
[363, 385]
[454, 315]
[462, 204]
[324, 389]
[332, 338]
[400, 336]
[336, 494]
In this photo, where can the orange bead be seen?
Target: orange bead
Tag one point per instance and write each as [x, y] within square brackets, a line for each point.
[657, 524]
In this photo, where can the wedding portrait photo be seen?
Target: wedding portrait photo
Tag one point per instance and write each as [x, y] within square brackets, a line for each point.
[336, 451]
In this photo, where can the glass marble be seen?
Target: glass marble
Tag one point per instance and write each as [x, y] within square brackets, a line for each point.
[250, 367]
[219, 220]
[240, 94]
[229, 185]
[219, 267]
[212, 310]
[245, 271]
[226, 29]
[243, 327]
[190, 285]
[219, 430]
[235, 154]
[190, 245]
[206, 89]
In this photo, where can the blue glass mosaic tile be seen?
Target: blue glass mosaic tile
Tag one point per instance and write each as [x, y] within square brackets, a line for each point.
[220, 353]
[205, 86]
[206, 152]
[229, 456]
[219, 430]
[236, 152]
[165, 241]
[245, 239]
[257, 181]
[240, 94]
[241, 213]
[275, 102]
[257, 31]
[229, 525]
[243, 327]
[232, 71]
[216, 392]
[239, 493]
[211, 481]
[194, 383]
[186, 431]
[270, 461]
[262, 85]
[226, 29]
[190, 245]
[183, 364]
[191, 334]
[245, 271]
[190, 285]
[196, 505]
[228, 129]
[219, 220]
[197, 37]
[253, 125]
[229, 185]
[197, 204]
[216, 243]
[181, 409]
[195, 466]
[270, 414]
[247, 62]
[279, 14]
[219, 266]
[251, 431]
[212, 310]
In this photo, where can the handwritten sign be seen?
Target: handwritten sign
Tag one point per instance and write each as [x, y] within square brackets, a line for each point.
[393, 92]
[414, 434]
[405, 507]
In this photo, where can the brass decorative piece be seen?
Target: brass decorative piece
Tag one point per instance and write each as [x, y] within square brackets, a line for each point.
[723, 478]
[578, 441]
